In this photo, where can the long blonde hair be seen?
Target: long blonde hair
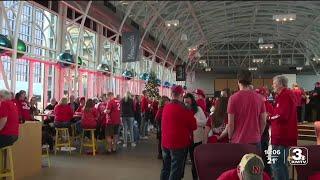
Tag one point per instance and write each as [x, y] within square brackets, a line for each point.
[127, 96]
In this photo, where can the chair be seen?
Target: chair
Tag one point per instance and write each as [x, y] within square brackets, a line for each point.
[313, 165]
[46, 154]
[213, 159]
[4, 172]
[93, 142]
[64, 132]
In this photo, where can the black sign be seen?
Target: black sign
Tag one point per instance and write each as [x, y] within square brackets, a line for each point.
[181, 72]
[130, 46]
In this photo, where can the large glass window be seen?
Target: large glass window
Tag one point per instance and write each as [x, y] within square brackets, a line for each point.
[87, 46]
[22, 70]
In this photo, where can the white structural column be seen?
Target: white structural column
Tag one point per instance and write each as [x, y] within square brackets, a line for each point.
[45, 84]
[31, 78]
[15, 45]
[80, 37]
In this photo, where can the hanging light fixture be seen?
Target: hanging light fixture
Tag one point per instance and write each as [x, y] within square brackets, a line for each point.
[257, 60]
[252, 68]
[284, 17]
[266, 46]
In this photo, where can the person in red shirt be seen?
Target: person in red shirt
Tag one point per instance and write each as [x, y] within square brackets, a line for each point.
[102, 106]
[144, 116]
[154, 110]
[163, 101]
[216, 127]
[177, 126]
[23, 106]
[246, 113]
[63, 114]
[250, 168]
[90, 116]
[113, 122]
[284, 131]
[201, 99]
[9, 120]
[298, 93]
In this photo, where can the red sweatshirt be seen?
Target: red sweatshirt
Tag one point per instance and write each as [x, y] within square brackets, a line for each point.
[144, 104]
[63, 113]
[23, 110]
[284, 120]
[177, 126]
[90, 119]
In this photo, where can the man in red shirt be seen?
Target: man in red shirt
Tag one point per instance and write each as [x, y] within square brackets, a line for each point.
[144, 117]
[250, 168]
[113, 121]
[246, 113]
[284, 131]
[298, 93]
[9, 120]
[177, 126]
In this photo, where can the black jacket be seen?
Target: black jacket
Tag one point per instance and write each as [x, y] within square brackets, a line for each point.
[127, 108]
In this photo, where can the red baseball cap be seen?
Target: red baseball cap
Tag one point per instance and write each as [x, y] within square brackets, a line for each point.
[199, 92]
[177, 89]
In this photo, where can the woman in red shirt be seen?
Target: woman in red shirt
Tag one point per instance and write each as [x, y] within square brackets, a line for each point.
[216, 127]
[63, 114]
[101, 107]
[23, 106]
[90, 116]
[163, 101]
[9, 120]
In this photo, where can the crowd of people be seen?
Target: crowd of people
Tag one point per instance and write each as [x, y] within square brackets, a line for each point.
[183, 122]
[111, 116]
[251, 115]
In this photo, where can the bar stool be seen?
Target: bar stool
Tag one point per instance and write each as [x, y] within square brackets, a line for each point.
[7, 172]
[64, 132]
[46, 153]
[92, 144]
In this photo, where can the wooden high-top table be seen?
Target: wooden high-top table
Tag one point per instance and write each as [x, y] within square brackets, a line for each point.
[27, 150]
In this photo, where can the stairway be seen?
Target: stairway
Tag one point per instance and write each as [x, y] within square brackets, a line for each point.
[306, 132]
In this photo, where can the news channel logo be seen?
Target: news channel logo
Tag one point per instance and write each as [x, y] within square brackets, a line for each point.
[298, 156]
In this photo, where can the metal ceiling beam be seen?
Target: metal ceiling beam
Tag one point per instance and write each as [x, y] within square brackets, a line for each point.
[197, 21]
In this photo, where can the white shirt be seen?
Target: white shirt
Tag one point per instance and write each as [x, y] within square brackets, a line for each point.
[201, 122]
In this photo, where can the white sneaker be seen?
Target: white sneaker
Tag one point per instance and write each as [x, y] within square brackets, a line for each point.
[124, 145]
[133, 145]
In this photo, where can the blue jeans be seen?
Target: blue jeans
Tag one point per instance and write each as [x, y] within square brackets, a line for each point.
[280, 168]
[144, 124]
[127, 127]
[173, 163]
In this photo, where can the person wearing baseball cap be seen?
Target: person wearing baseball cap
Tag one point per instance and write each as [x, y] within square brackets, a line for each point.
[250, 168]
[177, 126]
[201, 99]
